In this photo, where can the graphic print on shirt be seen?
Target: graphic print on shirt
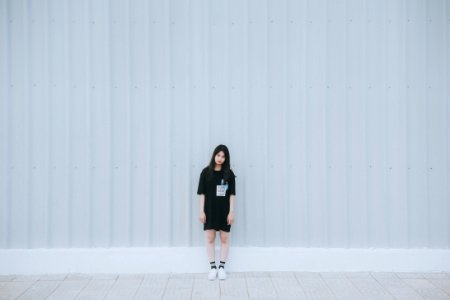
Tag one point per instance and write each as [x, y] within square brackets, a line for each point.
[221, 189]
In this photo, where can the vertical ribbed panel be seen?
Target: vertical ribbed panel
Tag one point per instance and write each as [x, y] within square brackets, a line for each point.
[335, 112]
[4, 126]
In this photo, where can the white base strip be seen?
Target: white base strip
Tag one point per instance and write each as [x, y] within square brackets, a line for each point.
[241, 259]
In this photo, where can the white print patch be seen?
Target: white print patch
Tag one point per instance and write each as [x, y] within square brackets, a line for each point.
[221, 190]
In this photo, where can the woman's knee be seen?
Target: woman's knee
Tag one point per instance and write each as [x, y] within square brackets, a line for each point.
[210, 236]
[224, 237]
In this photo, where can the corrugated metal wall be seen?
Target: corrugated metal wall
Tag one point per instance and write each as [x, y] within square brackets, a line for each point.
[335, 112]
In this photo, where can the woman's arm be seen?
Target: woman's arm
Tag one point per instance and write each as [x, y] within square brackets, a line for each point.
[202, 208]
[230, 218]
[232, 203]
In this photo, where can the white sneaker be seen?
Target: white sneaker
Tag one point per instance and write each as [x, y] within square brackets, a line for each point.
[222, 274]
[212, 274]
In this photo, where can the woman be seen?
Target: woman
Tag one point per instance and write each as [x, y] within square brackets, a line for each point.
[217, 192]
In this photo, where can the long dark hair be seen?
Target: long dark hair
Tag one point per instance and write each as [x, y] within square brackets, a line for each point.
[225, 166]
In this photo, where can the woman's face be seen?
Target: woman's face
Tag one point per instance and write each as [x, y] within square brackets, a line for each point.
[219, 158]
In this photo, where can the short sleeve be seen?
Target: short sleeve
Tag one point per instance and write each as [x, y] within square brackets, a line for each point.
[232, 185]
[201, 183]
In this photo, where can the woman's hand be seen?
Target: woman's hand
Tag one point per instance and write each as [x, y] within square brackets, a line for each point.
[230, 218]
[203, 217]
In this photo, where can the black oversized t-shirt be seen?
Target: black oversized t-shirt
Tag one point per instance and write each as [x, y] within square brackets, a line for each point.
[216, 207]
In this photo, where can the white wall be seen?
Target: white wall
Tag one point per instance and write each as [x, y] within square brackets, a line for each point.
[335, 112]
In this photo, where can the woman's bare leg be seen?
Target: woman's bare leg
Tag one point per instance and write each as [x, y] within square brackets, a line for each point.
[210, 238]
[225, 244]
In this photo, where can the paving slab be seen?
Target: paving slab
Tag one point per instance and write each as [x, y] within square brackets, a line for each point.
[238, 285]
